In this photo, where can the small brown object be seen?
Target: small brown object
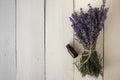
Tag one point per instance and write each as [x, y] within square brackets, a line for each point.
[72, 51]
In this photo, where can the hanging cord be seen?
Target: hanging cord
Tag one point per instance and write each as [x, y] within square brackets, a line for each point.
[73, 30]
[73, 37]
[104, 1]
[104, 4]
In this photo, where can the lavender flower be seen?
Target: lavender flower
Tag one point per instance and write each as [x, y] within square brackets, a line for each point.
[88, 25]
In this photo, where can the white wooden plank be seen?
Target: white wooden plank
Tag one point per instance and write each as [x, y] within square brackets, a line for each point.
[30, 39]
[84, 4]
[112, 41]
[7, 41]
[59, 64]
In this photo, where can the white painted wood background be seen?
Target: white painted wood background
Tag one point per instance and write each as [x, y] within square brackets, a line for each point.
[59, 64]
[31, 63]
[30, 39]
[7, 40]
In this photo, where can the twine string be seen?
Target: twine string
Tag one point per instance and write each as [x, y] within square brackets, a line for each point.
[92, 48]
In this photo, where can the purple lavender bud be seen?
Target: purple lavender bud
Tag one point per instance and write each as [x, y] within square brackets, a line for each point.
[88, 25]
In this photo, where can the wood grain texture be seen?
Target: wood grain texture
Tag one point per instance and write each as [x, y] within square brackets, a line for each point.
[112, 41]
[7, 40]
[30, 39]
[59, 63]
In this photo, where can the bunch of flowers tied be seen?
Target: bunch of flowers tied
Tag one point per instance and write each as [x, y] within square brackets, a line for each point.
[87, 26]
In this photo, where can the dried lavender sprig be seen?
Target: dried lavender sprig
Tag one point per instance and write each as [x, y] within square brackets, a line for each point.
[87, 25]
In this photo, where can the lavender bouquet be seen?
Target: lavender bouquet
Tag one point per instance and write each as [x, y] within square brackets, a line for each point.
[87, 27]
